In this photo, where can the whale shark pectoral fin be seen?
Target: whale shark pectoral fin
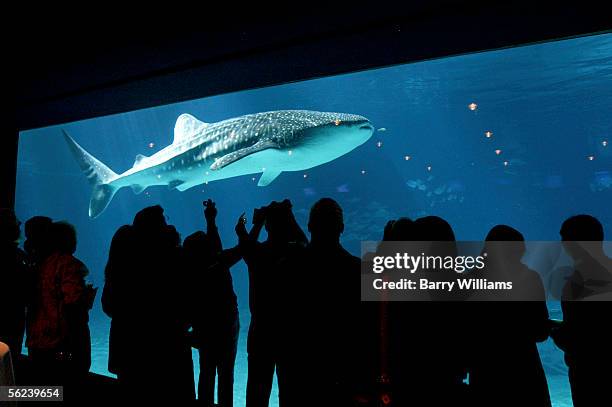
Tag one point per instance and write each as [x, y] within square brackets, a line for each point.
[184, 186]
[239, 154]
[267, 177]
[137, 188]
[175, 183]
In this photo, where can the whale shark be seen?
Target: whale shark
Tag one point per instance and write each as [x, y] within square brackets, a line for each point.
[268, 143]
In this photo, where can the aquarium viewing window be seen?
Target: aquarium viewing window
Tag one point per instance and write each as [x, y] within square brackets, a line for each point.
[519, 136]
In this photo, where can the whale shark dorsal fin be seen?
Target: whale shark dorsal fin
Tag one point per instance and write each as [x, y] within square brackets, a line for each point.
[239, 154]
[187, 127]
[267, 177]
[138, 159]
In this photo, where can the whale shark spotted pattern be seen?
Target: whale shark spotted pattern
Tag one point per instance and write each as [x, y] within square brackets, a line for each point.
[267, 143]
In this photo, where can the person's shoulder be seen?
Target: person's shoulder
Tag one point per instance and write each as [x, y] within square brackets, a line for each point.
[346, 253]
[349, 258]
[572, 289]
[533, 276]
[608, 266]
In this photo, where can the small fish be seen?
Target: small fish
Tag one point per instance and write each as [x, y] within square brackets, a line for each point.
[415, 183]
[440, 190]
[602, 180]
[411, 183]
[342, 188]
[455, 186]
[382, 129]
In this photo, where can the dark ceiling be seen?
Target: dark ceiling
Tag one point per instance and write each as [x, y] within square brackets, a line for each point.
[110, 60]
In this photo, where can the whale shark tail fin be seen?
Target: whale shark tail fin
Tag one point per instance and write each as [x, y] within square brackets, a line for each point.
[98, 175]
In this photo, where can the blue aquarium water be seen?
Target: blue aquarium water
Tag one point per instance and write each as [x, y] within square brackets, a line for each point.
[518, 136]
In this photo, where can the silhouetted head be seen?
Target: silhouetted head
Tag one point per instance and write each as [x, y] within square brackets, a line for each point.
[172, 236]
[504, 233]
[281, 224]
[513, 250]
[150, 219]
[402, 230]
[326, 221]
[436, 229]
[582, 228]
[9, 227]
[64, 237]
[37, 232]
[198, 247]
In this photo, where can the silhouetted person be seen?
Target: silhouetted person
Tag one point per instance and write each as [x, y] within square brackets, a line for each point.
[215, 322]
[324, 342]
[428, 369]
[386, 334]
[13, 284]
[37, 244]
[585, 333]
[119, 286]
[266, 296]
[58, 339]
[505, 366]
[156, 315]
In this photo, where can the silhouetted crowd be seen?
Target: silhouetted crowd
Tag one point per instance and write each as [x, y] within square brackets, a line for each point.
[308, 324]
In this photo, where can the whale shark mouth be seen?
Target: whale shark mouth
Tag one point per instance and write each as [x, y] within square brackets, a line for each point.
[368, 127]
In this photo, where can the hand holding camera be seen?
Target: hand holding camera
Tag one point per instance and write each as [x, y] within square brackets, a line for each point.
[210, 210]
[240, 228]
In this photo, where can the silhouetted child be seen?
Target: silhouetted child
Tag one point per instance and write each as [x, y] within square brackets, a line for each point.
[585, 334]
[504, 365]
[215, 322]
[13, 284]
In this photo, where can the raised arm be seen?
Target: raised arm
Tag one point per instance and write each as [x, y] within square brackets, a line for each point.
[229, 257]
[246, 241]
[210, 214]
[259, 219]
